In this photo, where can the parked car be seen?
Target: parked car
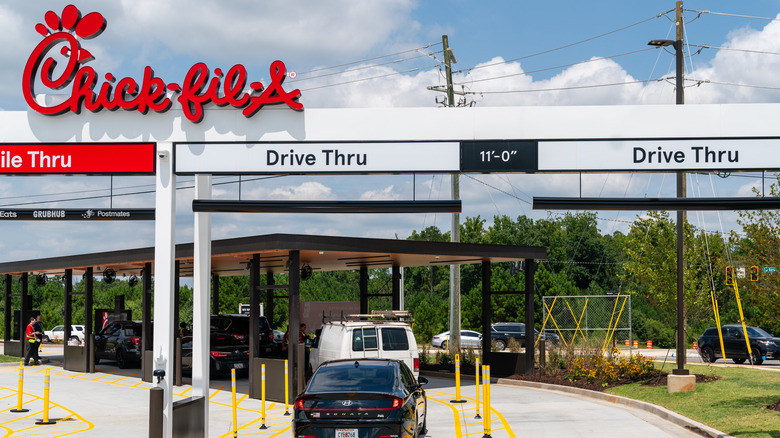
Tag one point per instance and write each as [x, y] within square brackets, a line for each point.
[57, 334]
[468, 339]
[502, 332]
[362, 398]
[237, 325]
[119, 341]
[763, 344]
[226, 353]
[366, 339]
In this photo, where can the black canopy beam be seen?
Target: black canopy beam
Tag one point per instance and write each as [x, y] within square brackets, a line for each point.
[696, 204]
[232, 206]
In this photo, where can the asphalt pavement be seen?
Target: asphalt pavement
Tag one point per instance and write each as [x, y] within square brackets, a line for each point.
[114, 403]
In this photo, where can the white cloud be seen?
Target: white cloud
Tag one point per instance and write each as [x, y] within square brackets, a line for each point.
[312, 30]
[305, 191]
[388, 193]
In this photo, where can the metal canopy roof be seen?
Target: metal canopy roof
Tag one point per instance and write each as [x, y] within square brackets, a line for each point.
[230, 257]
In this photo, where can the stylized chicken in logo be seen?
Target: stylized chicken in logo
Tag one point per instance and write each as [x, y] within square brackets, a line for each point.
[88, 27]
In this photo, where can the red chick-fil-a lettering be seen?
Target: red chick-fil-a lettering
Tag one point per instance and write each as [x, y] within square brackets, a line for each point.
[197, 90]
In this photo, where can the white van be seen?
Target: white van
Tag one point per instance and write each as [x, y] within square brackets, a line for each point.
[359, 339]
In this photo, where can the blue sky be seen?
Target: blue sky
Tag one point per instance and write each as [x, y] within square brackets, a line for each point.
[344, 44]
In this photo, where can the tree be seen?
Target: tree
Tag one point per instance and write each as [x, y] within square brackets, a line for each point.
[651, 263]
[760, 247]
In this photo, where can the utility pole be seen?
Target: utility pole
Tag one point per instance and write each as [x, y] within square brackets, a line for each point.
[454, 339]
[681, 214]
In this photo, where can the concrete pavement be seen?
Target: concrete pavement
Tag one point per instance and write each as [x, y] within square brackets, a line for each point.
[115, 403]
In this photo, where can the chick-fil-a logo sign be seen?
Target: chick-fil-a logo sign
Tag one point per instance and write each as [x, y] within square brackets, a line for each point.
[197, 90]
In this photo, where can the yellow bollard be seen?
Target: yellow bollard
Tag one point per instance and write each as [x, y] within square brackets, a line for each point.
[476, 368]
[486, 401]
[46, 401]
[262, 397]
[19, 391]
[457, 381]
[286, 388]
[235, 407]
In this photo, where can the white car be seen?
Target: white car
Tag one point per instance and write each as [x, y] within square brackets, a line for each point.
[468, 339]
[57, 334]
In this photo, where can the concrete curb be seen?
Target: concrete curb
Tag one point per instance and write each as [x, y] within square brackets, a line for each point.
[666, 414]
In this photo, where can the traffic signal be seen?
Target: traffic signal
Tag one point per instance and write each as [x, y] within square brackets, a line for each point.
[729, 275]
[754, 273]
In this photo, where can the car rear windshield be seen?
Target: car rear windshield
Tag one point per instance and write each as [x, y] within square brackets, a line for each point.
[364, 378]
[236, 324]
[223, 340]
[394, 339]
[132, 330]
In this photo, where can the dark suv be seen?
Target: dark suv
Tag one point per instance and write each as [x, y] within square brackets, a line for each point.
[119, 341]
[762, 344]
[502, 332]
[238, 326]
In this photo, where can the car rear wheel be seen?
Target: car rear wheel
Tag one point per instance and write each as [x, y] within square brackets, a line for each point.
[121, 360]
[707, 354]
[500, 344]
[756, 355]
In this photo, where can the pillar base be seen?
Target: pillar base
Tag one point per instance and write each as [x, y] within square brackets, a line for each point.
[680, 383]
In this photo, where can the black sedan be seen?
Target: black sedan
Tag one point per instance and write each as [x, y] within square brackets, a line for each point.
[226, 353]
[762, 344]
[363, 398]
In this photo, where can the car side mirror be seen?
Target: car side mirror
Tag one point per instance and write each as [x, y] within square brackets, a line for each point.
[422, 380]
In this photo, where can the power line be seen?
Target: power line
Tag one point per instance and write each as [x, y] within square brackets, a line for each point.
[564, 46]
[564, 88]
[371, 78]
[142, 192]
[370, 59]
[761, 52]
[553, 68]
[732, 15]
[365, 67]
[731, 84]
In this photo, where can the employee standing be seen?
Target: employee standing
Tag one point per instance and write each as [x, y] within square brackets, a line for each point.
[32, 343]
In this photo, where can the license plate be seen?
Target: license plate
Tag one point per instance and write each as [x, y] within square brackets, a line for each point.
[346, 433]
[239, 366]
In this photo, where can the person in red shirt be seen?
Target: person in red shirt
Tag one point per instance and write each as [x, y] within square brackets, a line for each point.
[31, 336]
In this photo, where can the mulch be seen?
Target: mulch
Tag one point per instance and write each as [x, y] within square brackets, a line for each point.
[658, 380]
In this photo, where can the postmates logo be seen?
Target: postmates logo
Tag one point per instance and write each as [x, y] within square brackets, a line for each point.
[61, 42]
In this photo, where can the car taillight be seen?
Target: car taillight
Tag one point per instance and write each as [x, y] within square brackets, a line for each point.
[417, 364]
[135, 340]
[239, 337]
[397, 402]
[218, 354]
[299, 403]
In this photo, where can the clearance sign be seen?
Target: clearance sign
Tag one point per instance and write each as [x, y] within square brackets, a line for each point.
[77, 158]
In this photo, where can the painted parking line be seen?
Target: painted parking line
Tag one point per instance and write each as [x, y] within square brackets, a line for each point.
[19, 426]
[462, 420]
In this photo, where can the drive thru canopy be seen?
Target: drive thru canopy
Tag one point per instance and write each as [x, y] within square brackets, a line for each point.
[274, 254]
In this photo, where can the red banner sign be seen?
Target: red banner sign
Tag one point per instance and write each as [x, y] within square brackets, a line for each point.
[61, 44]
[77, 158]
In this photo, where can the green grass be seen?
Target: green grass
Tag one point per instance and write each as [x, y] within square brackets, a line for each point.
[735, 404]
[6, 359]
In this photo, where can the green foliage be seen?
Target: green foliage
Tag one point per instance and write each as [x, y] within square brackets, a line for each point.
[760, 247]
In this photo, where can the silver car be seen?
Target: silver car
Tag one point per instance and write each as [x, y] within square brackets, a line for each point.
[468, 339]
